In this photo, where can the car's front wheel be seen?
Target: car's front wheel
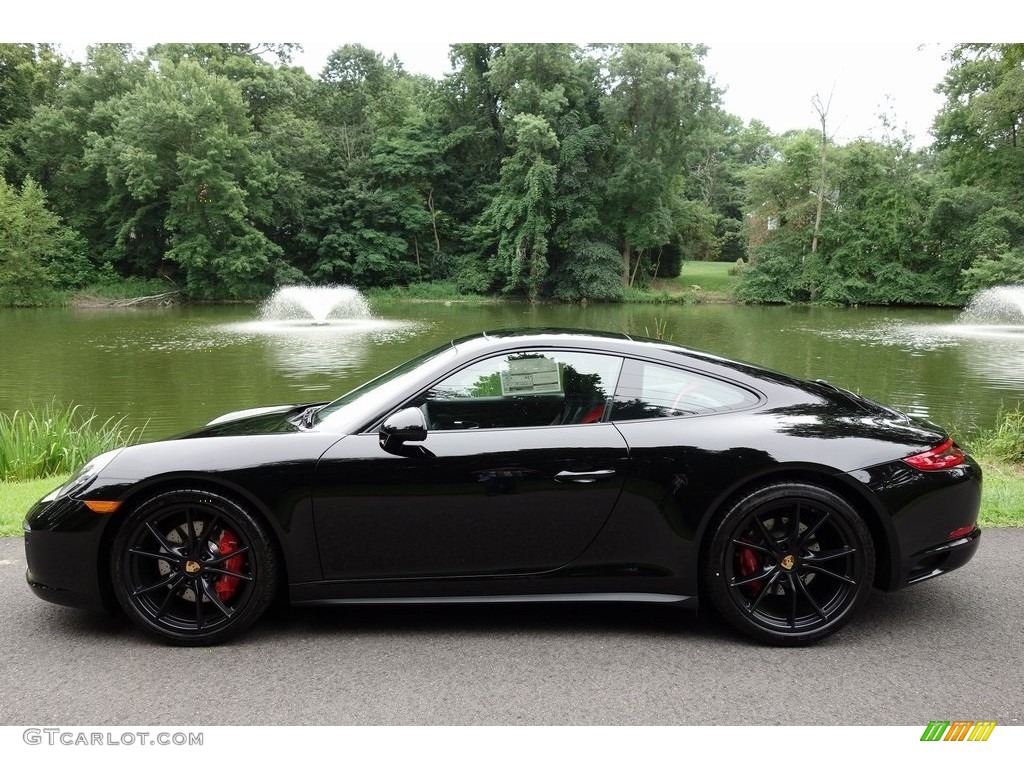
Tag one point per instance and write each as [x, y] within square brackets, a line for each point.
[193, 567]
[789, 563]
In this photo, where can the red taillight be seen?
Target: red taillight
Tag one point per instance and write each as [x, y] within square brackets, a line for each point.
[960, 532]
[943, 456]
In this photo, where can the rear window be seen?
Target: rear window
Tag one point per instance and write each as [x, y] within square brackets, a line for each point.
[653, 391]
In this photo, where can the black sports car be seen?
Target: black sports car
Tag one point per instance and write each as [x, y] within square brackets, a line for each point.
[521, 465]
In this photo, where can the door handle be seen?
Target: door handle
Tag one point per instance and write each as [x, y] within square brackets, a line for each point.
[584, 477]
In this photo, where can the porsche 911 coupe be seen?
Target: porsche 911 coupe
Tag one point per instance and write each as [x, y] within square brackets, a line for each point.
[521, 465]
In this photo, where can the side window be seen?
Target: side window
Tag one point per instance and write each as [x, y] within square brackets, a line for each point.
[524, 389]
[652, 391]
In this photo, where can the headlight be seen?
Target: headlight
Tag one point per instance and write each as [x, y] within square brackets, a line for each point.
[81, 479]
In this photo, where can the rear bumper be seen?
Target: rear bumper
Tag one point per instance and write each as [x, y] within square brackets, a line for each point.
[944, 558]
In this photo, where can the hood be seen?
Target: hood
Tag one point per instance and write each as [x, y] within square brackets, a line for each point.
[275, 419]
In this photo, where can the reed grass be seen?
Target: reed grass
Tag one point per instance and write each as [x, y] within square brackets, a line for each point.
[53, 439]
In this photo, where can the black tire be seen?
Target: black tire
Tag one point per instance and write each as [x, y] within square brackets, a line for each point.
[193, 568]
[789, 564]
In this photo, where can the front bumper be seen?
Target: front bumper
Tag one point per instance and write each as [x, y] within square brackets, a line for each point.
[64, 552]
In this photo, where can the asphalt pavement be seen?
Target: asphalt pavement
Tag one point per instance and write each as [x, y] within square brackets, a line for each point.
[948, 649]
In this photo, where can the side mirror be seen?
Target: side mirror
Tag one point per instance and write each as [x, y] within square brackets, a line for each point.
[405, 426]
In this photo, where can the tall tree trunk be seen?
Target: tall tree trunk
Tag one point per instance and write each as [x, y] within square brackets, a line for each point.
[433, 221]
[636, 268]
[627, 258]
[822, 110]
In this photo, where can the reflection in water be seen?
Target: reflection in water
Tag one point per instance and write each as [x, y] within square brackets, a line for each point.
[297, 349]
[964, 361]
[995, 352]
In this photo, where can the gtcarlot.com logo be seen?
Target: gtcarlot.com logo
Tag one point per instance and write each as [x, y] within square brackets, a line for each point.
[958, 730]
[69, 737]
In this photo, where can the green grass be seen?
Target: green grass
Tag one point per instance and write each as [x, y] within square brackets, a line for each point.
[123, 288]
[1002, 495]
[436, 291]
[709, 275]
[1004, 443]
[699, 282]
[660, 295]
[53, 439]
[17, 497]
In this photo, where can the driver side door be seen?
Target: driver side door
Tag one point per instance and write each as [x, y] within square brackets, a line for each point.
[517, 474]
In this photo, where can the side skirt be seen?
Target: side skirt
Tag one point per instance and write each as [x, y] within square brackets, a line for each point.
[584, 597]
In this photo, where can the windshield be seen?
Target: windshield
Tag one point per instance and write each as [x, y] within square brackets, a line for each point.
[356, 408]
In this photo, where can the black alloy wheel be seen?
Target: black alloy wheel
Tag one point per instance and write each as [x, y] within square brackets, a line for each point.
[789, 564]
[193, 567]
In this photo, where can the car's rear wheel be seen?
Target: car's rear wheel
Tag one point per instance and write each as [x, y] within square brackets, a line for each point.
[193, 567]
[789, 563]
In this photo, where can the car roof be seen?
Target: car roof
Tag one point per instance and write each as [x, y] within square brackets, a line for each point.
[608, 341]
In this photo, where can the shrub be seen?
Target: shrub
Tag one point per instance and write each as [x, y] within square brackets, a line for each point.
[1005, 442]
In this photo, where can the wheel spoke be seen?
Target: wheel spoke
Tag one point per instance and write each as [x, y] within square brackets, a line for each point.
[751, 545]
[794, 527]
[810, 531]
[170, 579]
[199, 605]
[232, 574]
[190, 527]
[807, 596]
[833, 574]
[170, 594]
[831, 554]
[221, 558]
[792, 601]
[752, 606]
[215, 598]
[208, 527]
[169, 558]
[768, 538]
[748, 579]
[162, 540]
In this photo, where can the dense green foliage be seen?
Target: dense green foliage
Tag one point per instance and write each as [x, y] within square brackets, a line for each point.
[53, 439]
[537, 170]
[901, 226]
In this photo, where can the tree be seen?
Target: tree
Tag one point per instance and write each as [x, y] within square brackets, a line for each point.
[981, 158]
[36, 249]
[979, 130]
[822, 110]
[55, 141]
[522, 209]
[180, 163]
[659, 105]
[31, 75]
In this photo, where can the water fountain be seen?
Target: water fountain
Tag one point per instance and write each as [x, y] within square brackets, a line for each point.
[999, 306]
[318, 329]
[315, 304]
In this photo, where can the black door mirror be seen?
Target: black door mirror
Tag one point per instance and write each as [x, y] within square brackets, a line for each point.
[406, 426]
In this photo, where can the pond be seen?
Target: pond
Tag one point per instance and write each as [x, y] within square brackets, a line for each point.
[175, 368]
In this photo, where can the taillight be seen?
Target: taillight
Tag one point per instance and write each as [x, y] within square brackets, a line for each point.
[943, 456]
[960, 532]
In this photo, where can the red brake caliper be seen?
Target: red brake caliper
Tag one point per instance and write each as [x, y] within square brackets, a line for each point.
[226, 586]
[748, 562]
